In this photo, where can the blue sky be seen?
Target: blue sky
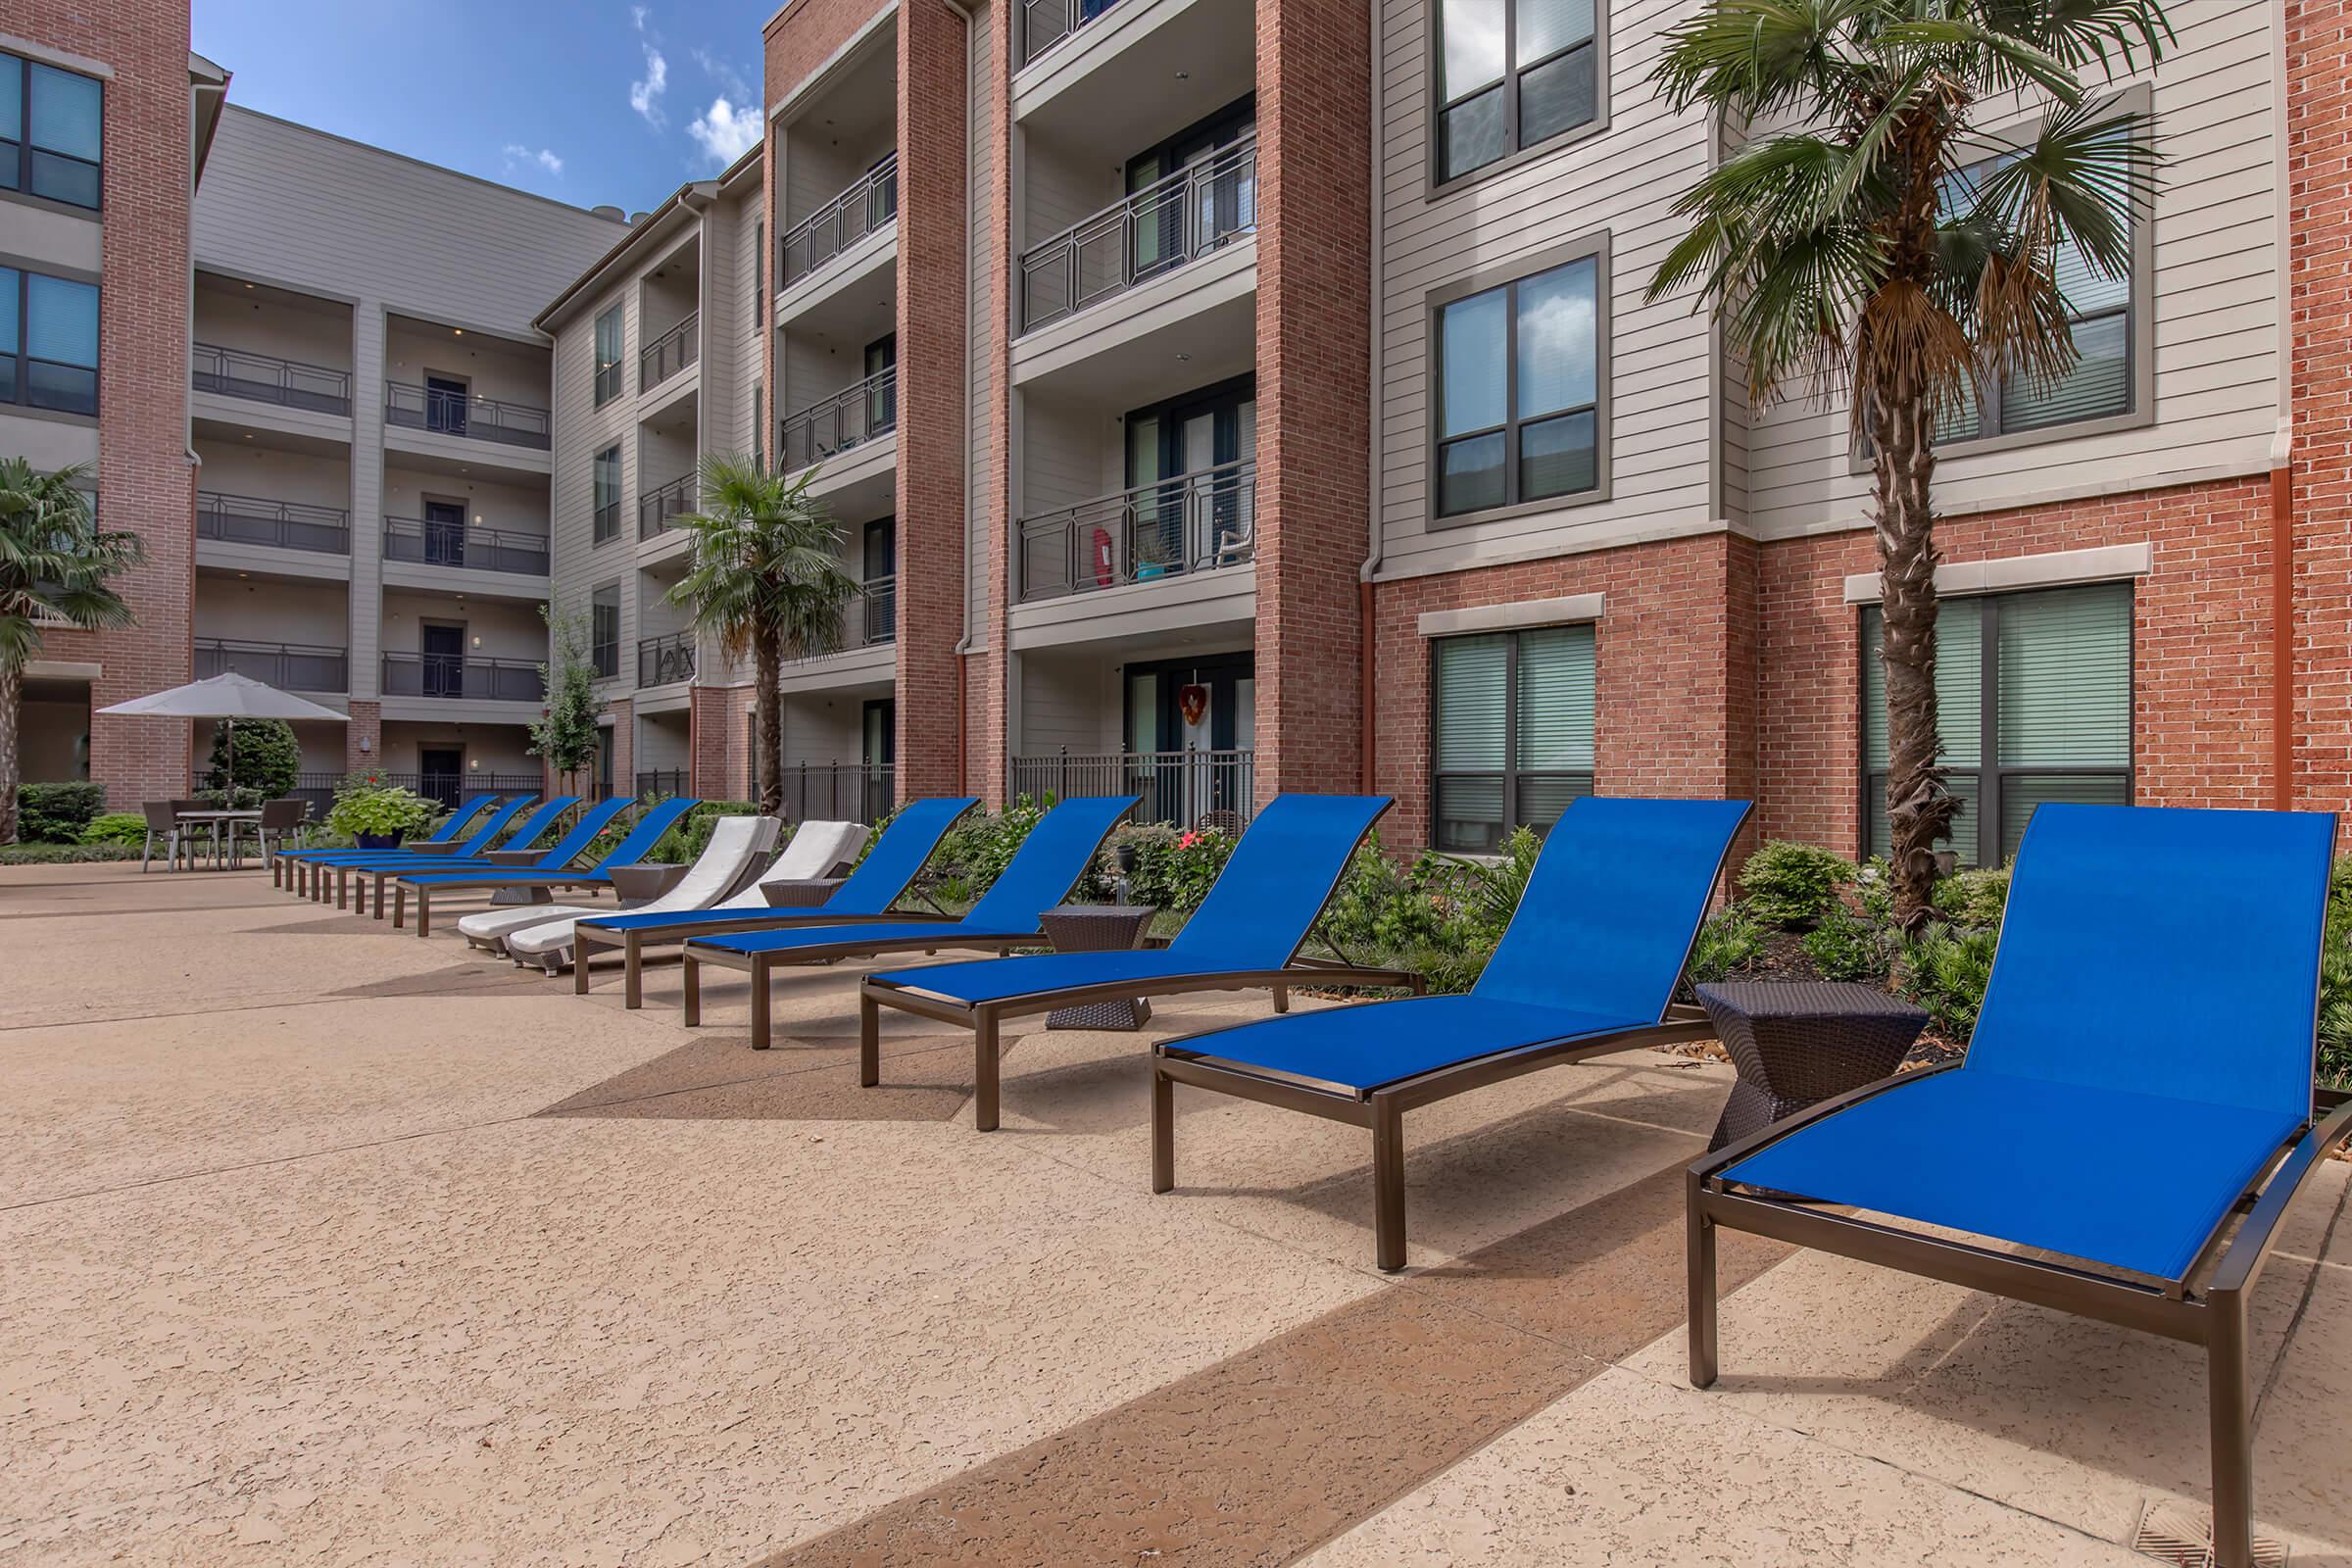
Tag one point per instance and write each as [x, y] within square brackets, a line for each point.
[588, 102]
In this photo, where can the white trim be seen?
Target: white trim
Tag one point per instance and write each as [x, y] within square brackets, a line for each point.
[64, 670]
[56, 57]
[1570, 611]
[2058, 568]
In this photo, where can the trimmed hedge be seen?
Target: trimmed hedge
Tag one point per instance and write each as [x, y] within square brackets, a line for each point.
[56, 813]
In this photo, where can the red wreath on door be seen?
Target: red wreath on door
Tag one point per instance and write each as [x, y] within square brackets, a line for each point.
[1192, 702]
[1105, 568]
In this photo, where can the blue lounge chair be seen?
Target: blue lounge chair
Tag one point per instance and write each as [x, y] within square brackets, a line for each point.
[361, 870]
[549, 873]
[1247, 932]
[1588, 964]
[305, 880]
[1049, 863]
[2140, 1076]
[441, 837]
[879, 881]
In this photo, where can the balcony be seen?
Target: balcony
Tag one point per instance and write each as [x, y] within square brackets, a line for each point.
[1190, 789]
[497, 681]
[670, 781]
[665, 660]
[835, 792]
[465, 546]
[288, 666]
[1197, 522]
[1159, 229]
[469, 415]
[266, 378]
[665, 356]
[849, 417]
[865, 205]
[280, 524]
[1047, 23]
[869, 619]
[658, 506]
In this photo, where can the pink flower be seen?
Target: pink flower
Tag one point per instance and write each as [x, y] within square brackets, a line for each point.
[1188, 841]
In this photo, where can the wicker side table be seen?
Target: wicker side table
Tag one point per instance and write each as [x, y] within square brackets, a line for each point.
[801, 893]
[1098, 928]
[1796, 1042]
[644, 881]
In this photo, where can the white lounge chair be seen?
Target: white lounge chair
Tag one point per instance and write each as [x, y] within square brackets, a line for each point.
[737, 844]
[816, 849]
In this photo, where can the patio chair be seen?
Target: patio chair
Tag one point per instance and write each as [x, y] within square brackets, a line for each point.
[881, 879]
[1041, 875]
[1246, 932]
[635, 846]
[441, 837]
[2140, 1077]
[737, 844]
[356, 866]
[1588, 964]
[279, 821]
[163, 823]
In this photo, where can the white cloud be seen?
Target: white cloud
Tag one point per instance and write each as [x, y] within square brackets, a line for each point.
[726, 132]
[730, 80]
[645, 94]
[518, 154]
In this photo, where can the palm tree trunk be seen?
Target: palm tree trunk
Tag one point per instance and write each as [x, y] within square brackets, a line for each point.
[12, 696]
[1919, 807]
[767, 668]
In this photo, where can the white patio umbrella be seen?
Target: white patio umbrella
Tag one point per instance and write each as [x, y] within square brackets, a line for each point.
[230, 695]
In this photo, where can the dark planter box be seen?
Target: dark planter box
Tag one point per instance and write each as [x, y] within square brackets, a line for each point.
[381, 840]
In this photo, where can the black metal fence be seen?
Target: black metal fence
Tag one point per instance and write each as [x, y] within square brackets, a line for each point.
[437, 543]
[854, 414]
[838, 791]
[664, 502]
[869, 202]
[661, 781]
[1190, 789]
[1196, 210]
[266, 378]
[1194, 522]
[289, 666]
[663, 660]
[281, 524]
[444, 411]
[503, 680]
[669, 354]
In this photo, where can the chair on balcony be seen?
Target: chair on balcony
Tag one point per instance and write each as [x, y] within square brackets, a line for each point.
[657, 820]
[737, 844]
[1588, 964]
[1247, 932]
[1041, 875]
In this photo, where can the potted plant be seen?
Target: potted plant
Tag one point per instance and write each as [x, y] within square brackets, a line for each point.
[378, 817]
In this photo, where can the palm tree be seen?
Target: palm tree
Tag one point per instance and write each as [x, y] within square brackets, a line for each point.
[1891, 242]
[767, 581]
[56, 568]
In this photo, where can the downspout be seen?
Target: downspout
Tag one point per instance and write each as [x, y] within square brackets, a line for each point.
[963, 644]
[2282, 457]
[1374, 537]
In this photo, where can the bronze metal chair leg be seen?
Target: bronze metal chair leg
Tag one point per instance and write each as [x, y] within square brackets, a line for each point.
[692, 1004]
[632, 983]
[984, 1069]
[760, 1003]
[1699, 1256]
[424, 912]
[1163, 1130]
[870, 1042]
[1388, 1184]
[400, 904]
[2231, 1415]
[580, 949]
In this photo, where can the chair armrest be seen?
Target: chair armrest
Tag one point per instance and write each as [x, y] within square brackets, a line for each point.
[2243, 1261]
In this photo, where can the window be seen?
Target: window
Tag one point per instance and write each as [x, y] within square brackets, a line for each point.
[607, 495]
[759, 272]
[604, 630]
[48, 342]
[1511, 742]
[607, 356]
[1520, 371]
[1511, 74]
[52, 123]
[759, 425]
[2044, 680]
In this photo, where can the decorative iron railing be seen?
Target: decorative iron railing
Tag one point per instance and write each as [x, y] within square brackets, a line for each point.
[1047, 23]
[1194, 522]
[436, 543]
[869, 202]
[464, 414]
[669, 354]
[289, 666]
[1190, 789]
[500, 680]
[664, 502]
[665, 660]
[661, 781]
[1201, 208]
[267, 378]
[872, 616]
[281, 524]
[853, 415]
[856, 791]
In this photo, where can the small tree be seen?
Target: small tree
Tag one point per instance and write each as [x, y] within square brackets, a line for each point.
[1886, 243]
[267, 757]
[565, 736]
[766, 580]
[56, 566]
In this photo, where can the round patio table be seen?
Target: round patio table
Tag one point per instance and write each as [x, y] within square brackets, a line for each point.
[1098, 928]
[224, 838]
[1798, 1042]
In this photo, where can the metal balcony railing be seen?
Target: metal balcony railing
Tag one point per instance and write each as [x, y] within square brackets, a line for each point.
[669, 354]
[1046, 23]
[658, 504]
[661, 781]
[465, 545]
[289, 666]
[1194, 522]
[463, 414]
[266, 378]
[857, 792]
[665, 660]
[869, 618]
[498, 681]
[1198, 209]
[1190, 789]
[865, 205]
[853, 415]
[281, 524]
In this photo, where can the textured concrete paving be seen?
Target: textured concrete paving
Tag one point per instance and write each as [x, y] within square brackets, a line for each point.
[325, 1243]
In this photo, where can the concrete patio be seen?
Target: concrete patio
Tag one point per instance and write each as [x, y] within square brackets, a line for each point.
[325, 1243]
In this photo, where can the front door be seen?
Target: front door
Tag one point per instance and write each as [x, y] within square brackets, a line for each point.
[880, 564]
[443, 651]
[1194, 721]
[444, 533]
[882, 401]
[443, 769]
[1191, 507]
[445, 404]
[1185, 217]
[879, 751]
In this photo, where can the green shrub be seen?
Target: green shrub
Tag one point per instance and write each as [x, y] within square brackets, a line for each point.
[56, 813]
[1944, 969]
[1174, 867]
[116, 827]
[1729, 941]
[975, 851]
[1848, 947]
[268, 760]
[2336, 981]
[65, 853]
[1791, 886]
[686, 840]
[1973, 898]
[362, 805]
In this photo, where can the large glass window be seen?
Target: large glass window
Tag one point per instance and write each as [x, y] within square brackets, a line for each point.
[48, 341]
[607, 356]
[607, 495]
[2052, 722]
[604, 630]
[1518, 395]
[1512, 737]
[52, 124]
[1511, 74]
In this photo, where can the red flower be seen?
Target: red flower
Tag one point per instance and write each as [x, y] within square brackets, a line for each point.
[1188, 841]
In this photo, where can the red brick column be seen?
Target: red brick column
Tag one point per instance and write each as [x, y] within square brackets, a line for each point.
[934, 392]
[2319, 153]
[721, 743]
[366, 725]
[1313, 360]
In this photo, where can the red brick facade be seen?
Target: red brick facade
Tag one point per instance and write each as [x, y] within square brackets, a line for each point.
[145, 480]
[722, 743]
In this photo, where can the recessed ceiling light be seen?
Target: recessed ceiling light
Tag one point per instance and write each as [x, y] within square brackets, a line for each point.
[1184, 75]
[249, 285]
[457, 330]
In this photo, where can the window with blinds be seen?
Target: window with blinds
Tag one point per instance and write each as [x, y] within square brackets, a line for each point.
[2045, 679]
[1511, 734]
[52, 127]
[608, 347]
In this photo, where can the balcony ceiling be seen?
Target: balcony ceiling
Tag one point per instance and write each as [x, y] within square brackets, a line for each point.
[1158, 79]
[267, 437]
[1205, 347]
